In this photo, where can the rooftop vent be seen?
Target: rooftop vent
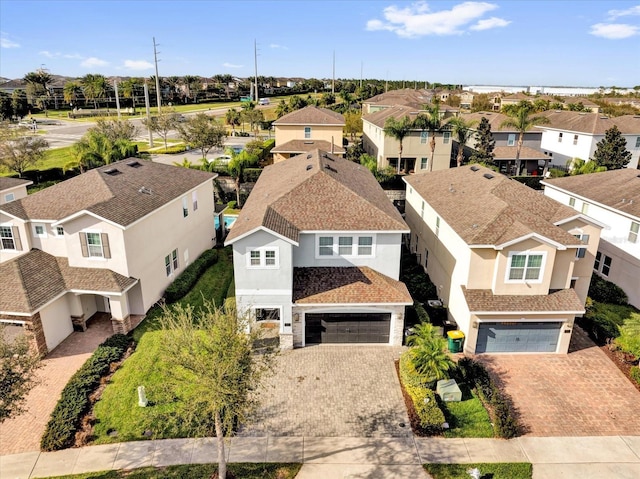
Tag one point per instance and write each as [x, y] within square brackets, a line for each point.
[488, 176]
[309, 156]
[328, 157]
[112, 171]
[474, 168]
[308, 142]
[309, 167]
[330, 168]
[145, 191]
[134, 164]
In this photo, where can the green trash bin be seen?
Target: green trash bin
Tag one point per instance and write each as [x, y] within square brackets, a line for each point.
[456, 340]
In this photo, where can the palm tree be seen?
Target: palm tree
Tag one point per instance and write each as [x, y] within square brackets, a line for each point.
[172, 83]
[462, 132]
[95, 87]
[236, 166]
[190, 81]
[95, 149]
[37, 87]
[398, 129]
[521, 120]
[71, 91]
[130, 88]
[430, 120]
[232, 118]
[428, 352]
[282, 109]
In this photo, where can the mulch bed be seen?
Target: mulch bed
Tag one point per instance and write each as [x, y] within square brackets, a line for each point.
[622, 360]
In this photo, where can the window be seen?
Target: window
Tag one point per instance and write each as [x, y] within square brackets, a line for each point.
[446, 137]
[39, 231]
[174, 258]
[633, 232]
[95, 245]
[437, 225]
[525, 267]
[559, 137]
[423, 163]
[267, 314]
[598, 261]
[638, 142]
[326, 246]
[606, 265]
[59, 231]
[194, 200]
[6, 234]
[167, 264]
[185, 207]
[263, 258]
[426, 258]
[511, 139]
[424, 136]
[345, 245]
[171, 262]
[580, 252]
[9, 197]
[585, 208]
[572, 201]
[575, 139]
[307, 132]
[365, 246]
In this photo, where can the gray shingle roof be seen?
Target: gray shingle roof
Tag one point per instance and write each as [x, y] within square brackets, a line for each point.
[483, 300]
[592, 123]
[491, 211]
[33, 279]
[6, 183]
[526, 153]
[317, 191]
[311, 115]
[119, 197]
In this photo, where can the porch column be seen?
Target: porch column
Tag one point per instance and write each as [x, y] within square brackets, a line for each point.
[120, 316]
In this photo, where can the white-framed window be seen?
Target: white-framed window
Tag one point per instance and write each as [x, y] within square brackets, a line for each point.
[446, 137]
[325, 246]
[167, 264]
[9, 197]
[94, 244]
[572, 201]
[511, 139]
[437, 225]
[365, 246]
[346, 246]
[267, 314]
[606, 265]
[185, 207]
[171, 262]
[633, 232]
[174, 258]
[59, 231]
[263, 258]
[525, 267]
[575, 139]
[424, 163]
[194, 200]
[307, 132]
[560, 137]
[39, 231]
[581, 252]
[598, 261]
[424, 137]
[585, 208]
[7, 238]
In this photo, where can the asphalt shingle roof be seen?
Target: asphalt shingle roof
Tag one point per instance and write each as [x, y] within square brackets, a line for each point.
[300, 146]
[311, 115]
[6, 183]
[483, 300]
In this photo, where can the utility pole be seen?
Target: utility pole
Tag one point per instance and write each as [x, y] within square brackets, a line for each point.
[115, 87]
[146, 104]
[361, 65]
[255, 61]
[386, 83]
[333, 77]
[155, 59]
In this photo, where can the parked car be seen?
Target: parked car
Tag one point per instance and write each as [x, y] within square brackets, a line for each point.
[264, 101]
[221, 159]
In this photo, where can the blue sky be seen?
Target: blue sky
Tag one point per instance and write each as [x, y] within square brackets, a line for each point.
[553, 42]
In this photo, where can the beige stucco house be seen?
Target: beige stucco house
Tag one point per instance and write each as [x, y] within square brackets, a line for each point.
[12, 189]
[110, 240]
[512, 265]
[306, 130]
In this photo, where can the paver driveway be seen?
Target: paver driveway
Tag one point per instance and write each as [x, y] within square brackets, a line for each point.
[333, 391]
[23, 433]
[579, 394]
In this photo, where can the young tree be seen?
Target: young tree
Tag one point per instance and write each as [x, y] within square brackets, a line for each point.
[202, 132]
[462, 131]
[282, 109]
[72, 90]
[19, 103]
[238, 163]
[398, 129]
[481, 102]
[353, 123]
[428, 352]
[18, 365]
[162, 124]
[430, 120]
[20, 150]
[484, 144]
[611, 152]
[211, 354]
[521, 120]
[232, 117]
[116, 130]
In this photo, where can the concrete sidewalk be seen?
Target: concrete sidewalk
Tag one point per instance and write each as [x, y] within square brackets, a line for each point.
[352, 457]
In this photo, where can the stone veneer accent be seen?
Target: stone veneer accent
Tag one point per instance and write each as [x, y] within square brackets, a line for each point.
[33, 330]
[121, 326]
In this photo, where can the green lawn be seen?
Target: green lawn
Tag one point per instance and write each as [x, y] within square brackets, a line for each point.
[467, 418]
[118, 408]
[506, 470]
[198, 471]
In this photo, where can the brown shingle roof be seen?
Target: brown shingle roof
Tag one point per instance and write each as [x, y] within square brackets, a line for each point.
[397, 112]
[302, 146]
[346, 285]
[526, 153]
[618, 189]
[311, 115]
[483, 300]
[6, 183]
[317, 191]
[491, 211]
[592, 123]
[33, 279]
[119, 198]
[495, 120]
[407, 97]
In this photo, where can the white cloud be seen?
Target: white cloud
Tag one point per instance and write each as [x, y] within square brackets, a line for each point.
[93, 62]
[275, 45]
[47, 54]
[138, 65]
[5, 42]
[418, 19]
[74, 56]
[493, 22]
[613, 14]
[231, 65]
[614, 31]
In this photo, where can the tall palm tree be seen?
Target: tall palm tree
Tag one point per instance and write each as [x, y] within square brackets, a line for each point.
[130, 88]
[462, 132]
[521, 120]
[95, 87]
[232, 117]
[398, 129]
[37, 87]
[172, 83]
[72, 91]
[191, 81]
[430, 120]
[282, 109]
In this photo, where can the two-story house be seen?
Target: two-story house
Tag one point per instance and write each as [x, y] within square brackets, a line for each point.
[316, 254]
[512, 265]
[109, 240]
[416, 145]
[12, 189]
[308, 129]
[612, 198]
[409, 97]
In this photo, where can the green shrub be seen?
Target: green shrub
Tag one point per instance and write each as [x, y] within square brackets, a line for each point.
[189, 277]
[430, 415]
[531, 181]
[629, 340]
[601, 322]
[74, 400]
[174, 149]
[635, 373]
[250, 175]
[557, 173]
[408, 374]
[232, 204]
[423, 316]
[605, 291]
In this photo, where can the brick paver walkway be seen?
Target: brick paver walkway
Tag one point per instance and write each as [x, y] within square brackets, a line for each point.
[579, 394]
[333, 391]
[23, 433]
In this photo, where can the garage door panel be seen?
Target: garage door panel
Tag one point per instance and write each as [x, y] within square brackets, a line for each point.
[518, 337]
[347, 328]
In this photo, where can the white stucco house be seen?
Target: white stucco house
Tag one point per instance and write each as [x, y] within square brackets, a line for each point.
[512, 266]
[613, 199]
[316, 253]
[12, 189]
[109, 240]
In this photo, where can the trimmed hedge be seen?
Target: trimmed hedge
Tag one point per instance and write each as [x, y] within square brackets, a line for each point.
[171, 150]
[74, 400]
[601, 322]
[504, 417]
[190, 276]
[605, 291]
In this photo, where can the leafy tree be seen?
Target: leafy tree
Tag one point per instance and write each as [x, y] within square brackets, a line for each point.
[210, 353]
[577, 107]
[116, 130]
[484, 144]
[577, 166]
[611, 152]
[96, 149]
[192, 82]
[19, 103]
[37, 89]
[253, 117]
[6, 108]
[430, 120]
[541, 105]
[327, 99]
[462, 132]
[94, 87]
[428, 352]
[353, 123]
[20, 150]
[521, 120]
[398, 129]
[238, 163]
[481, 102]
[18, 365]
[382, 175]
[355, 151]
[232, 117]
[297, 102]
[453, 100]
[202, 132]
[162, 124]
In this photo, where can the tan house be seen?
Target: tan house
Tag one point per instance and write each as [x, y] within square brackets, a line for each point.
[308, 129]
[110, 240]
[512, 266]
[415, 99]
[12, 189]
